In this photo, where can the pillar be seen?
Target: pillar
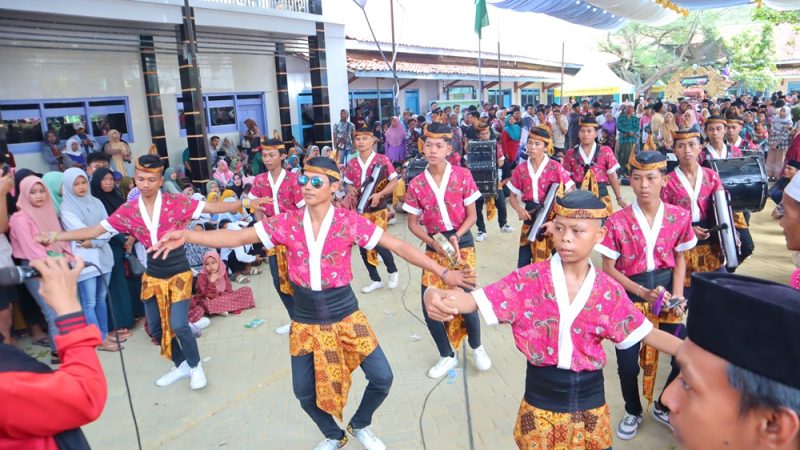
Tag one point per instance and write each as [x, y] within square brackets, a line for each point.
[155, 114]
[283, 94]
[319, 87]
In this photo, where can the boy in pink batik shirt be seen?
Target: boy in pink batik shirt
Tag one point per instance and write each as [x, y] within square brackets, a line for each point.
[560, 311]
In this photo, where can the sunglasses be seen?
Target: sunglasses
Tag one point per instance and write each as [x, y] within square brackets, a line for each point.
[316, 182]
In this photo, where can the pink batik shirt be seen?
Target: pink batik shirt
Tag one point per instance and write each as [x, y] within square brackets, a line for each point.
[531, 185]
[286, 194]
[678, 191]
[357, 171]
[552, 331]
[441, 207]
[170, 212]
[630, 236]
[606, 163]
[323, 262]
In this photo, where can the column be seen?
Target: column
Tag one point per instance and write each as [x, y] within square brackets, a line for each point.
[155, 114]
[193, 108]
[283, 94]
[319, 87]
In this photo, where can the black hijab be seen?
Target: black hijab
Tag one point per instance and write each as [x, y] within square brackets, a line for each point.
[111, 200]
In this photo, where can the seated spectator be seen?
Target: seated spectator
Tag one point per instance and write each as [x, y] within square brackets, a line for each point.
[239, 259]
[214, 292]
[53, 153]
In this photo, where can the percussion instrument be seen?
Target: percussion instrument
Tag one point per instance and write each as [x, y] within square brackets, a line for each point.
[723, 230]
[745, 179]
[374, 183]
[544, 212]
[415, 167]
[482, 162]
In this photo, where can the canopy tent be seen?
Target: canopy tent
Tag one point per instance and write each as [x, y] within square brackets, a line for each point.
[594, 80]
[613, 14]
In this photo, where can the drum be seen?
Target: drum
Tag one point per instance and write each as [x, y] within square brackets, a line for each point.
[543, 214]
[415, 167]
[482, 162]
[745, 179]
[724, 232]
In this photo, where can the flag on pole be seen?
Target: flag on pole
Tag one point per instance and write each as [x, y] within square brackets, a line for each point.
[481, 16]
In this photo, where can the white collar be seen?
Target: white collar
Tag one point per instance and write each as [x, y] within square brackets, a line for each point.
[315, 246]
[365, 166]
[718, 155]
[650, 234]
[567, 311]
[738, 142]
[275, 186]
[693, 192]
[151, 224]
[439, 191]
[591, 154]
[536, 174]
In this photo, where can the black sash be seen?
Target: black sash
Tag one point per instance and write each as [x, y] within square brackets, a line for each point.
[649, 280]
[464, 242]
[325, 306]
[563, 391]
[163, 269]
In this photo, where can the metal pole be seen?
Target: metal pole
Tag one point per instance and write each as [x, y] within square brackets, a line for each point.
[561, 97]
[378, 91]
[499, 78]
[396, 84]
[480, 78]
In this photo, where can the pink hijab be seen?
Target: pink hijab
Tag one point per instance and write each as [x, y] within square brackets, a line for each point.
[34, 220]
[223, 174]
[222, 270]
[395, 133]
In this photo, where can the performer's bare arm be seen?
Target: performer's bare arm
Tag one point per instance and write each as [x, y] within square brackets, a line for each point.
[214, 239]
[678, 274]
[662, 341]
[81, 234]
[223, 207]
[403, 249]
[613, 180]
[651, 295]
[518, 207]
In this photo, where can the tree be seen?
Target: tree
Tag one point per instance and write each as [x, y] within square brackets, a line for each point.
[752, 59]
[773, 17]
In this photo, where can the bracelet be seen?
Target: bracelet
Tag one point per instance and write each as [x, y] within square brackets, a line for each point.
[444, 273]
[54, 236]
[637, 290]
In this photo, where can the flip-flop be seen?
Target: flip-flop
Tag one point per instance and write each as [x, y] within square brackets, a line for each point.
[42, 342]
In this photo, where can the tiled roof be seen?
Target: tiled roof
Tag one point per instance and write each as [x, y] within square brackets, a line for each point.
[367, 64]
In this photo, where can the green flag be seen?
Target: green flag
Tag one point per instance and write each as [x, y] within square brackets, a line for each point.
[481, 16]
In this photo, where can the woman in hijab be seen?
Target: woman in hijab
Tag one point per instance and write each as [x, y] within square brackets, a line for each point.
[78, 210]
[119, 151]
[237, 186]
[126, 185]
[778, 141]
[123, 290]
[74, 152]
[214, 292]
[510, 139]
[223, 174]
[170, 185]
[396, 140]
[36, 213]
[213, 187]
[54, 181]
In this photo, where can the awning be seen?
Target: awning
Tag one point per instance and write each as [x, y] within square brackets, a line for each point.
[595, 79]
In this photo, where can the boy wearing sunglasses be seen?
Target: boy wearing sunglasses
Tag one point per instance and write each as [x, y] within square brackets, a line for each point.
[357, 173]
[280, 192]
[330, 335]
[443, 199]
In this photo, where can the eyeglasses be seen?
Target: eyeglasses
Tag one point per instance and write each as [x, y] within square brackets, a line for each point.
[316, 182]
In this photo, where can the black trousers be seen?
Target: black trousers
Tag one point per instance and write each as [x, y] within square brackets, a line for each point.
[388, 259]
[502, 211]
[439, 334]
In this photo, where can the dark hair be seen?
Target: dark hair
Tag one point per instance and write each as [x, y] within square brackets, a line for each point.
[214, 137]
[758, 391]
[325, 163]
[474, 114]
[222, 223]
[247, 187]
[97, 157]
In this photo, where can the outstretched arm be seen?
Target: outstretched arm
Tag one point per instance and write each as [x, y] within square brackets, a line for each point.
[81, 234]
[662, 341]
[443, 305]
[223, 207]
[408, 252]
[214, 239]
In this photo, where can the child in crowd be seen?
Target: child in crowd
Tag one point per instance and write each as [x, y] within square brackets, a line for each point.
[214, 293]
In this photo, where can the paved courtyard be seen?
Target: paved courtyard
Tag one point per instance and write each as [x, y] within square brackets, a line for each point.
[249, 404]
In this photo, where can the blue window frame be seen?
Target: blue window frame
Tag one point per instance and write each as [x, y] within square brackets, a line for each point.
[27, 121]
[529, 96]
[793, 86]
[223, 113]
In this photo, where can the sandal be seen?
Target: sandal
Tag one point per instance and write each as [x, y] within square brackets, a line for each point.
[254, 271]
[241, 279]
[109, 347]
[42, 342]
[115, 339]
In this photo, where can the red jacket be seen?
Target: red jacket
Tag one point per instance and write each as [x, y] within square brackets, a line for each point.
[36, 404]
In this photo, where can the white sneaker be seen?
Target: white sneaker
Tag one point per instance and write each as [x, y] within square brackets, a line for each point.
[202, 323]
[481, 236]
[394, 278]
[374, 286]
[284, 329]
[661, 416]
[367, 438]
[392, 221]
[507, 229]
[198, 377]
[481, 359]
[628, 426]
[441, 367]
[332, 444]
[177, 373]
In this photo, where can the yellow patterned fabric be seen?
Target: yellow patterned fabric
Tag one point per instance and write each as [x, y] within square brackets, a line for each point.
[648, 356]
[279, 252]
[166, 292]
[546, 430]
[702, 258]
[456, 329]
[541, 249]
[739, 222]
[491, 209]
[381, 219]
[338, 348]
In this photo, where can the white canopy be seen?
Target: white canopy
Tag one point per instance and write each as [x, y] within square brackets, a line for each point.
[595, 78]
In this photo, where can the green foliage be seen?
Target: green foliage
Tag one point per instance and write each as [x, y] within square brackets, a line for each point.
[752, 59]
[773, 17]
